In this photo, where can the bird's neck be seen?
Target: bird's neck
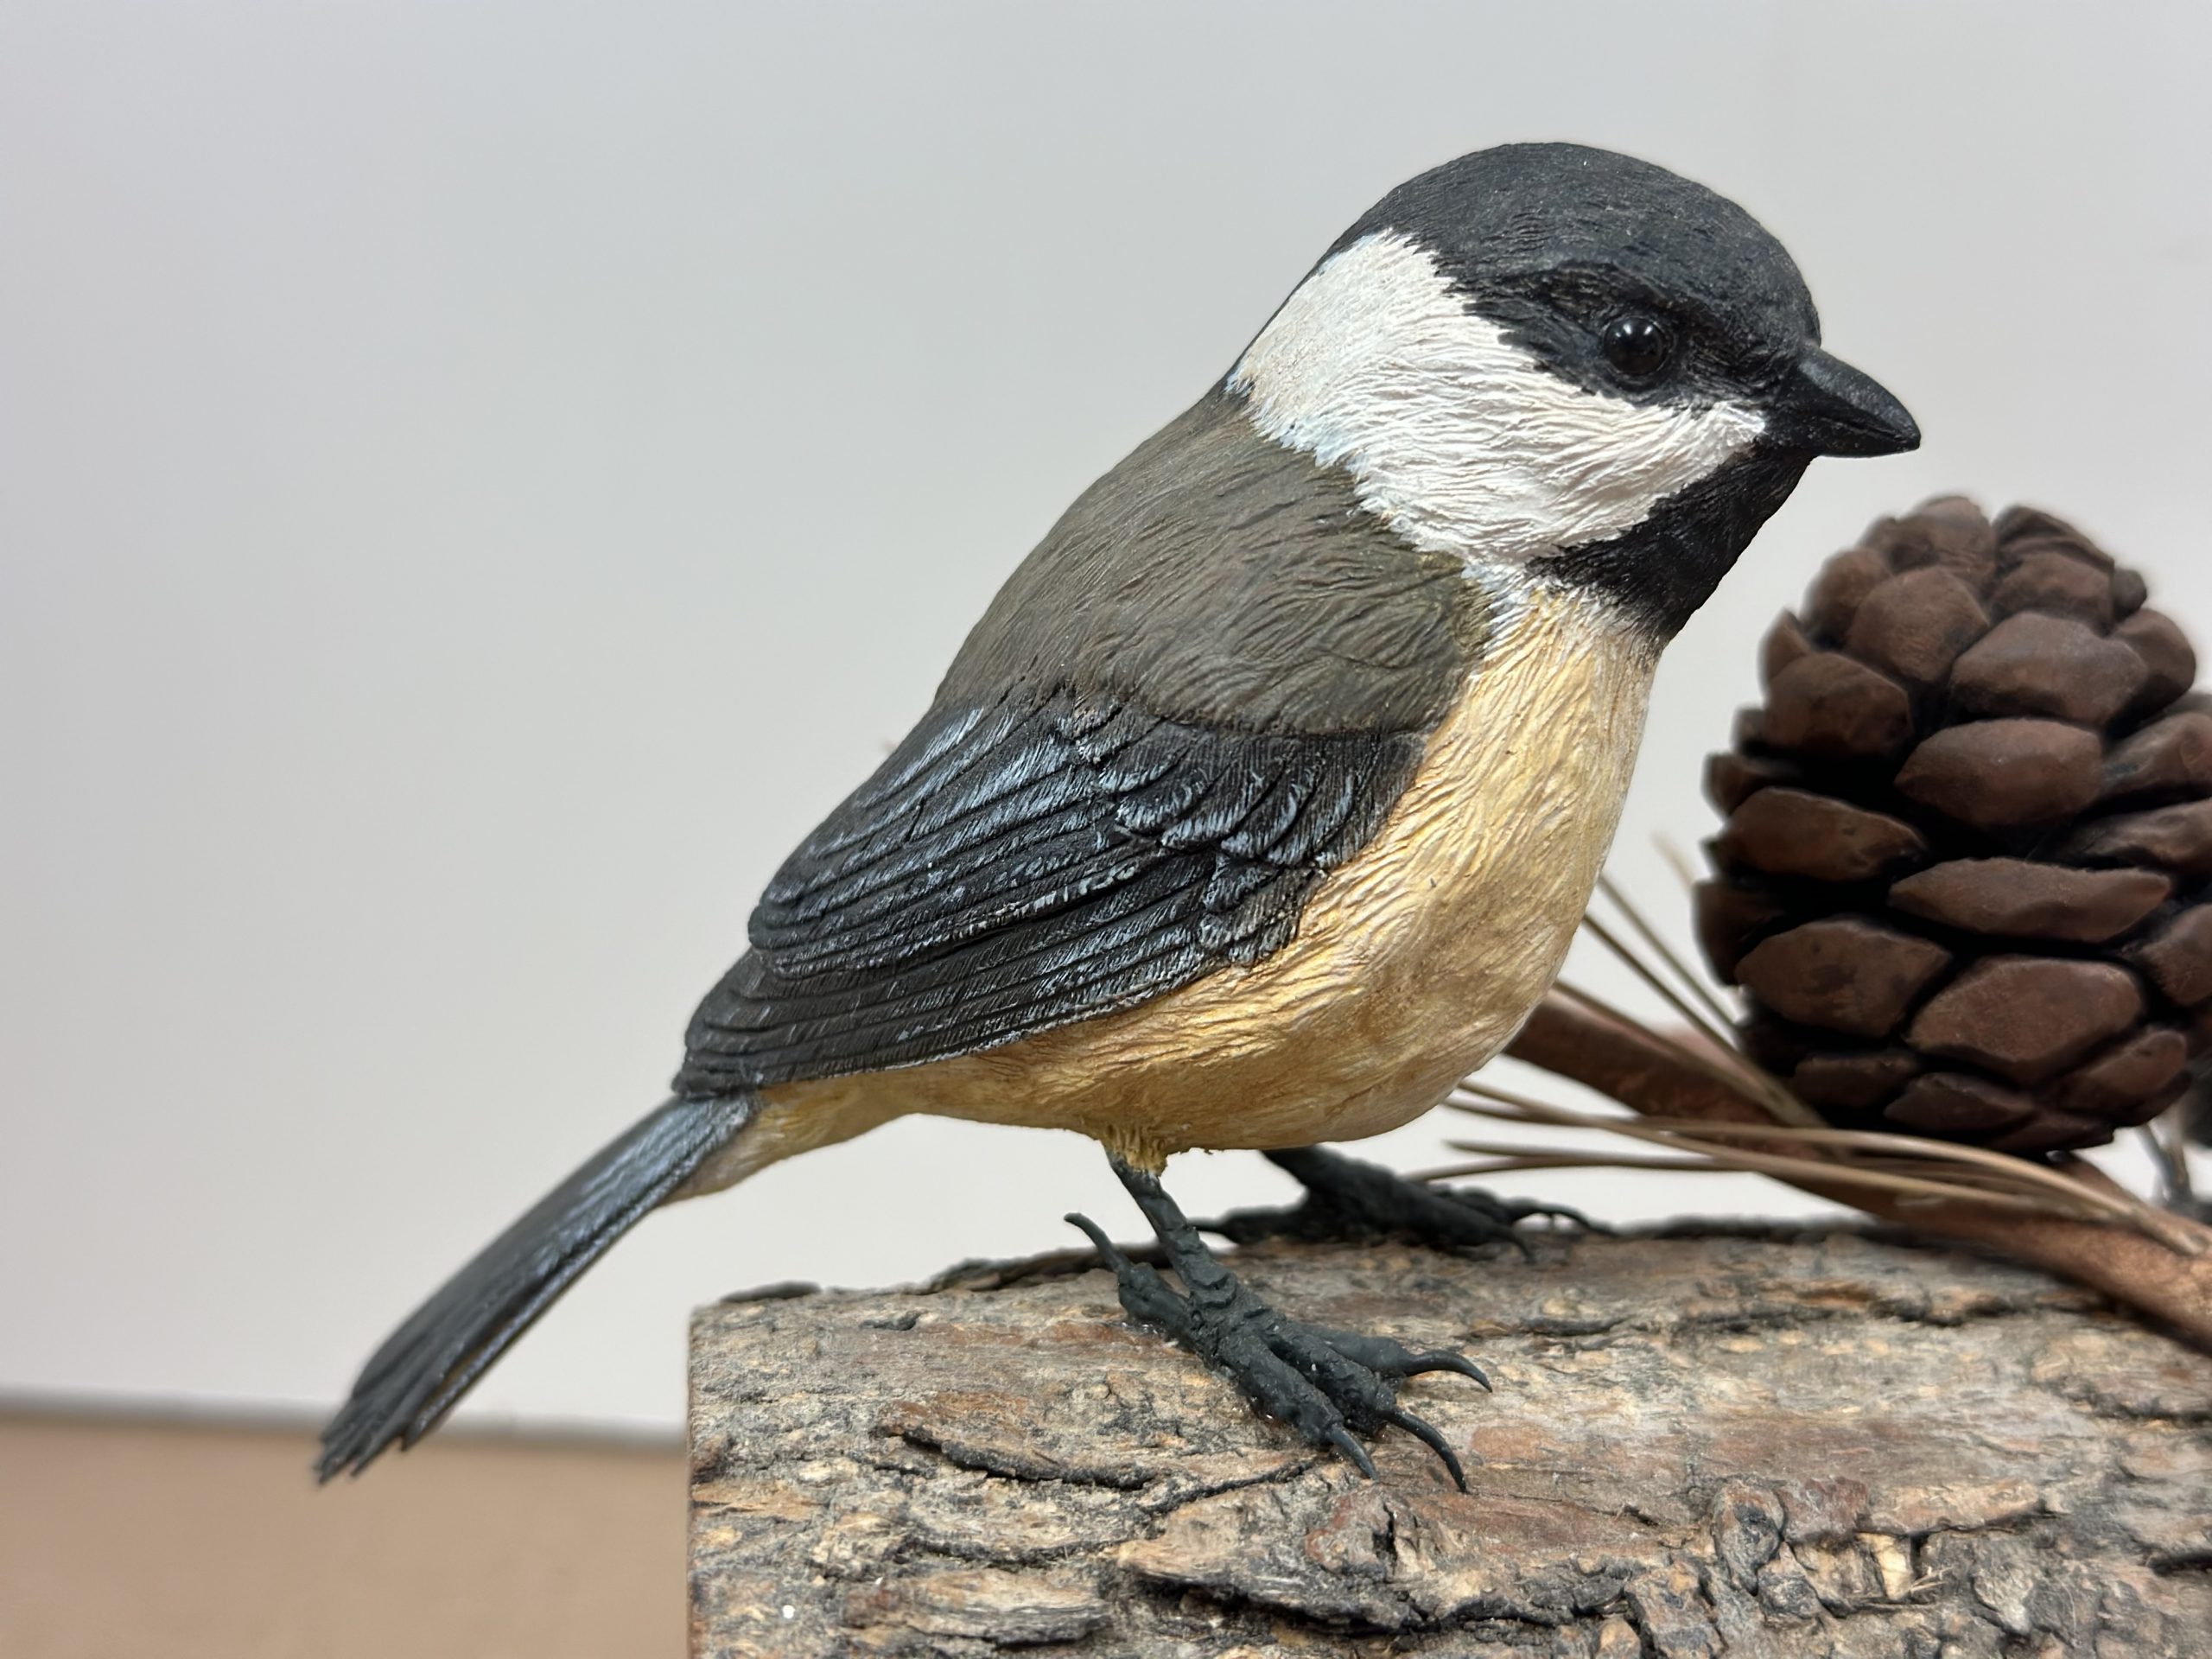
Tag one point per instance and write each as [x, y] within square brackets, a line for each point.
[1658, 572]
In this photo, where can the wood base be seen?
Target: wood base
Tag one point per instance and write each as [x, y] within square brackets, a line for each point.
[1701, 1443]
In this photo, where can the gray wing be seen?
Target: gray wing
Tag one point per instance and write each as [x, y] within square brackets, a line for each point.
[1029, 863]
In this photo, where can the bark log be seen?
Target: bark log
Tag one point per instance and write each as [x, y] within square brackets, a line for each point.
[1701, 1443]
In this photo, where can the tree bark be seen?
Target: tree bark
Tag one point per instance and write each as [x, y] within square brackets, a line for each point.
[1722, 1442]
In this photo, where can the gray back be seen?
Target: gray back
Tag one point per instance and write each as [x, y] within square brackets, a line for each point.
[1214, 576]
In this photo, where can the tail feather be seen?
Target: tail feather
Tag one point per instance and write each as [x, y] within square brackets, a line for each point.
[425, 1366]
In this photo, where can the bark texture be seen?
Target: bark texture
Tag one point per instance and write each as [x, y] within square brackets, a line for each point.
[1743, 1443]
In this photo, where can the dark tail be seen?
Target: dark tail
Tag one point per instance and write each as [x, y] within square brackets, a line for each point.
[427, 1364]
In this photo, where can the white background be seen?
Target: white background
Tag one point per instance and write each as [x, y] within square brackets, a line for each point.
[477, 483]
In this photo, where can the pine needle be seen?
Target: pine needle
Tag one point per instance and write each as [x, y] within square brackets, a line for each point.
[1676, 860]
[1727, 1065]
[1635, 964]
[1692, 981]
[1908, 1167]
[1905, 1188]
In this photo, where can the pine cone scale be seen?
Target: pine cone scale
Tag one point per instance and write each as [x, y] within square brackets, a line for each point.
[1913, 626]
[1785, 831]
[2178, 957]
[2177, 837]
[2027, 1018]
[2006, 774]
[1842, 973]
[2017, 898]
[2172, 757]
[1953, 1104]
[2031, 664]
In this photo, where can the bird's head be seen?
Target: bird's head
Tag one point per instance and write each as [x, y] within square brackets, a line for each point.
[1567, 363]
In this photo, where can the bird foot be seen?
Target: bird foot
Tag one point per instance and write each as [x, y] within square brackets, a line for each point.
[1349, 1199]
[1327, 1385]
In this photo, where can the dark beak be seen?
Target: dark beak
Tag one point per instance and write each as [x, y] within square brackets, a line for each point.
[1829, 407]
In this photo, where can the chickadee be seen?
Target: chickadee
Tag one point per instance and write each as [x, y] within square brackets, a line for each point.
[1262, 802]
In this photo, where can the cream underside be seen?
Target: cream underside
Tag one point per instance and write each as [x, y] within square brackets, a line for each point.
[1413, 963]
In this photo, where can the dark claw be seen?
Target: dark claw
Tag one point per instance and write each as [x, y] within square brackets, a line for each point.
[1108, 1251]
[1562, 1212]
[1390, 1357]
[1428, 1433]
[1340, 1437]
[1145, 1295]
[1443, 1359]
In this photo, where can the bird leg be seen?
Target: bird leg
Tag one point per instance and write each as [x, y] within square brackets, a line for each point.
[1349, 1199]
[1327, 1385]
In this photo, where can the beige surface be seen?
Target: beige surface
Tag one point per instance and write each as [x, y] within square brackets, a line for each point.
[123, 1538]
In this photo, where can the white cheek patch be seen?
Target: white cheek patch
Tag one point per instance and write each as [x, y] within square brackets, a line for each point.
[1460, 441]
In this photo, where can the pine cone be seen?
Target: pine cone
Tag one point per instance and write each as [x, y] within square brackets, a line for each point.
[1963, 881]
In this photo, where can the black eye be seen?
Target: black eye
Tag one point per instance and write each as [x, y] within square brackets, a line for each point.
[1638, 345]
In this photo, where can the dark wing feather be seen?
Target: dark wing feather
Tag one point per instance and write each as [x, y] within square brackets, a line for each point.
[1028, 864]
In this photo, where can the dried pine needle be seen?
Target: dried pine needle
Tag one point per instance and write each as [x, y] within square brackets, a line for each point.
[1800, 1146]
[1694, 982]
